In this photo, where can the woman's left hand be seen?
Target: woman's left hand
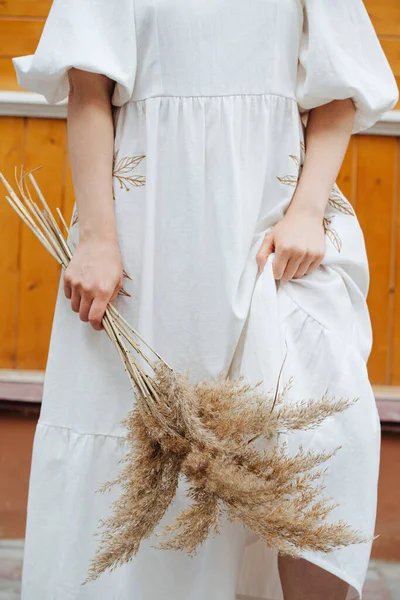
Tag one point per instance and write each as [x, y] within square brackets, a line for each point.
[298, 241]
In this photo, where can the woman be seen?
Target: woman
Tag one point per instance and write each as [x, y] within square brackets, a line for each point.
[203, 197]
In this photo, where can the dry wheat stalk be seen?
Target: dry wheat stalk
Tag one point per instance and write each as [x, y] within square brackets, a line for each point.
[204, 432]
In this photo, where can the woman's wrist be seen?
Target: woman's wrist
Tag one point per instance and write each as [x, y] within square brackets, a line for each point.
[98, 223]
[102, 232]
[309, 205]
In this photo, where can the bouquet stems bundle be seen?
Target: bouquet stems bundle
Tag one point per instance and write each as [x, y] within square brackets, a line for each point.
[205, 432]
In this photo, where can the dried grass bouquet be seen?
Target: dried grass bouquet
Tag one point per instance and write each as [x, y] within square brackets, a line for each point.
[205, 432]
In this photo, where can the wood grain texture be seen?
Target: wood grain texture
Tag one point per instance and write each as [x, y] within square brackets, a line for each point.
[69, 199]
[45, 145]
[346, 177]
[385, 16]
[25, 8]
[11, 154]
[391, 48]
[375, 194]
[8, 78]
[395, 350]
[18, 37]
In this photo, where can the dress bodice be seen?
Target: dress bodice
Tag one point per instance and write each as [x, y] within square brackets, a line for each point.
[223, 47]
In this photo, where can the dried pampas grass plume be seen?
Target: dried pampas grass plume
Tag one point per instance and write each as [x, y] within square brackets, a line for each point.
[276, 495]
[206, 433]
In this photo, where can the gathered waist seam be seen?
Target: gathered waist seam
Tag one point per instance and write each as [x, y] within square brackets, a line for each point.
[77, 432]
[200, 96]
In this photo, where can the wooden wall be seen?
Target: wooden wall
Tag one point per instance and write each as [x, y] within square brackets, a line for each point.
[369, 177]
[28, 273]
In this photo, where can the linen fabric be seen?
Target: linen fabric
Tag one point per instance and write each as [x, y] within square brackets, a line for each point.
[209, 144]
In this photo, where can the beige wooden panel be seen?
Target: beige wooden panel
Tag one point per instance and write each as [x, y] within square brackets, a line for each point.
[375, 195]
[25, 8]
[11, 154]
[19, 37]
[385, 15]
[45, 145]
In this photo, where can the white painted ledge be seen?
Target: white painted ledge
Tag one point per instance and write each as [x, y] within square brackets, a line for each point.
[389, 125]
[28, 104]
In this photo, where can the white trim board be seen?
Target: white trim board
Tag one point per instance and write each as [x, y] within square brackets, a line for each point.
[29, 104]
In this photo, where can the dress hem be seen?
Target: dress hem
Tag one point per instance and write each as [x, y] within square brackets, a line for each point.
[321, 563]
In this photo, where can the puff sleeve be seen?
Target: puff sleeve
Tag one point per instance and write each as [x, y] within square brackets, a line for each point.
[93, 35]
[340, 57]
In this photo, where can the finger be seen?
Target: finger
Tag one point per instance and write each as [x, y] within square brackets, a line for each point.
[75, 298]
[67, 287]
[292, 266]
[303, 268]
[313, 266]
[84, 307]
[266, 248]
[96, 313]
[118, 287]
[280, 263]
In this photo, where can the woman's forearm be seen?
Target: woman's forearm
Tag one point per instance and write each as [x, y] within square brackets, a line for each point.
[94, 276]
[298, 240]
[328, 133]
[90, 144]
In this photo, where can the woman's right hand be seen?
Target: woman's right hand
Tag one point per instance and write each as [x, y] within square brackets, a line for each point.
[93, 278]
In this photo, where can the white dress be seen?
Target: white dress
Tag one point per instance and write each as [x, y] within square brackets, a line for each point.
[209, 144]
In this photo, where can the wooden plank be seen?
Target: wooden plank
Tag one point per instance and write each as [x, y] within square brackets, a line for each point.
[391, 47]
[346, 177]
[19, 37]
[45, 145]
[25, 8]
[69, 199]
[375, 194]
[397, 107]
[11, 154]
[385, 16]
[8, 78]
[395, 367]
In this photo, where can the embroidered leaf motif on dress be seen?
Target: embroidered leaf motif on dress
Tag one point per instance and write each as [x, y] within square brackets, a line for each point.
[336, 200]
[124, 171]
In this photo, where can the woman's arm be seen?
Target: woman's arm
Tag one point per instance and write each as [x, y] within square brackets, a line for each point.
[298, 240]
[94, 275]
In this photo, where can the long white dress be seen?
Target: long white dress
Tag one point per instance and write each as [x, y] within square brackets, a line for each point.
[209, 144]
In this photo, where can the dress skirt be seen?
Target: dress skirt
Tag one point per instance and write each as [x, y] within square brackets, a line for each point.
[189, 246]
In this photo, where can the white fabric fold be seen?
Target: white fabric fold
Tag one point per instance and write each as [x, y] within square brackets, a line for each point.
[92, 35]
[341, 57]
